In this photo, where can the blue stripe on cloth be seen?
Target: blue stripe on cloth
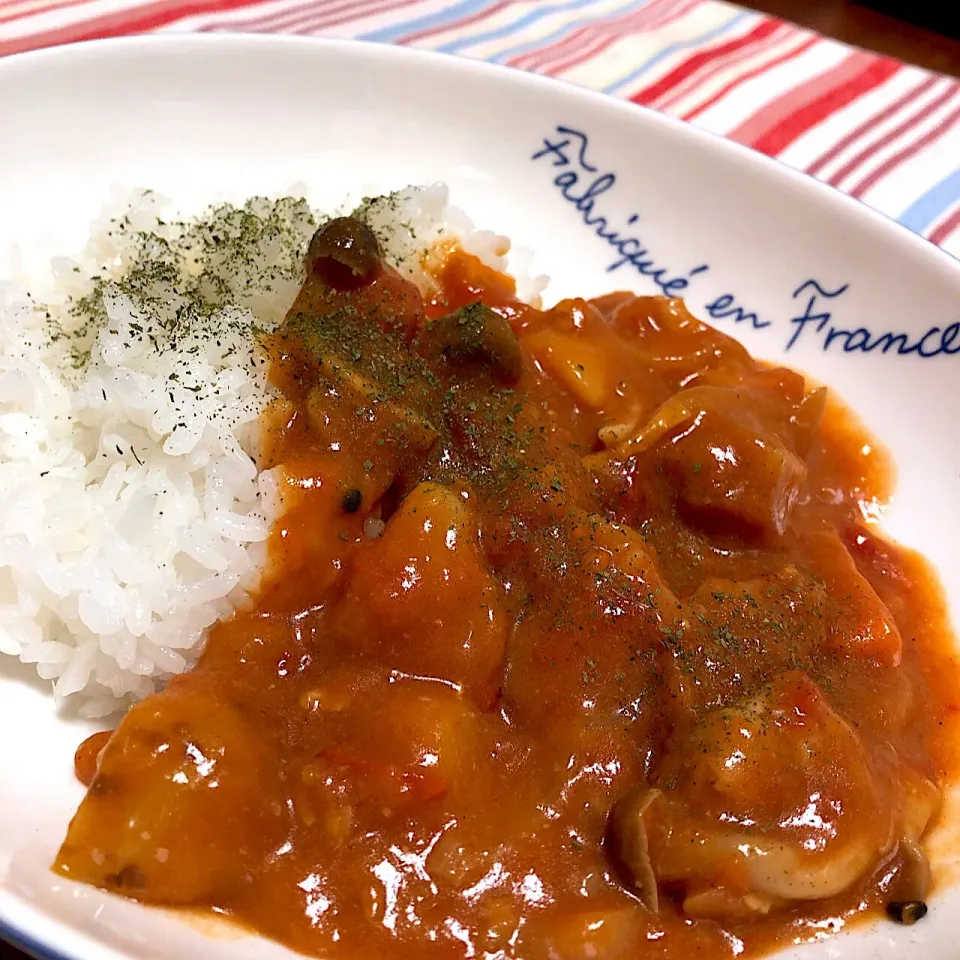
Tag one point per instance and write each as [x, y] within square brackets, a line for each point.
[927, 209]
[542, 10]
[685, 45]
[446, 17]
[568, 28]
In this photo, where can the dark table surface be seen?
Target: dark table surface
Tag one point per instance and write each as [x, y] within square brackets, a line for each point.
[9, 953]
[851, 23]
[858, 24]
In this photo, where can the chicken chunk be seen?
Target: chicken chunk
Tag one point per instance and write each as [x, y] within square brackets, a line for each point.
[420, 597]
[766, 803]
[733, 454]
[180, 780]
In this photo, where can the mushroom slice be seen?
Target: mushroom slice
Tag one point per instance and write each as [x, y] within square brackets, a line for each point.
[719, 903]
[922, 800]
[345, 254]
[476, 334]
[769, 802]
[628, 838]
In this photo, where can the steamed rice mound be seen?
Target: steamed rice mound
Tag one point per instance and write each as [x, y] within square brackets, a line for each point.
[134, 515]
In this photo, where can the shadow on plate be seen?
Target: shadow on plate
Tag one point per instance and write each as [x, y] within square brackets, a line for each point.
[13, 669]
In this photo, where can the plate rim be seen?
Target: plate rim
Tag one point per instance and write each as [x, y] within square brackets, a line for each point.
[771, 166]
[46, 937]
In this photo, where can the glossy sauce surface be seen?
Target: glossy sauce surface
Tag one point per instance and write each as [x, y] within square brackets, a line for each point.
[574, 642]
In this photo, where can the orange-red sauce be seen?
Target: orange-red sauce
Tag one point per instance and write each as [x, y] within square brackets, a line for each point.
[590, 657]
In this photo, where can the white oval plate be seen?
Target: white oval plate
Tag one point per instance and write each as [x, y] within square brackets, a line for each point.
[800, 273]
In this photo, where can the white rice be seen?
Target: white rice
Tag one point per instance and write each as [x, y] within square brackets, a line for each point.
[134, 515]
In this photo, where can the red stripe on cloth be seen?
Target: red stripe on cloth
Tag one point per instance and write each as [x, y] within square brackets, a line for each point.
[905, 154]
[639, 21]
[119, 23]
[308, 17]
[728, 64]
[648, 95]
[892, 134]
[811, 41]
[946, 228]
[596, 29]
[782, 121]
[814, 168]
[45, 8]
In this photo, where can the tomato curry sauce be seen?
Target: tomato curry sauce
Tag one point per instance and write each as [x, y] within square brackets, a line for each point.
[573, 642]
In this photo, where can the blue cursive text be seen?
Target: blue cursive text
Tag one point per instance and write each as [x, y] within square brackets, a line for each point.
[935, 341]
[586, 187]
[581, 185]
[725, 307]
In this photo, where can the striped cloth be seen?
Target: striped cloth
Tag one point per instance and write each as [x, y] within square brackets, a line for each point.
[885, 132]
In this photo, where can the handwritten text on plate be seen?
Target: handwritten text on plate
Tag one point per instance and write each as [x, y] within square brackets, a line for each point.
[583, 185]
